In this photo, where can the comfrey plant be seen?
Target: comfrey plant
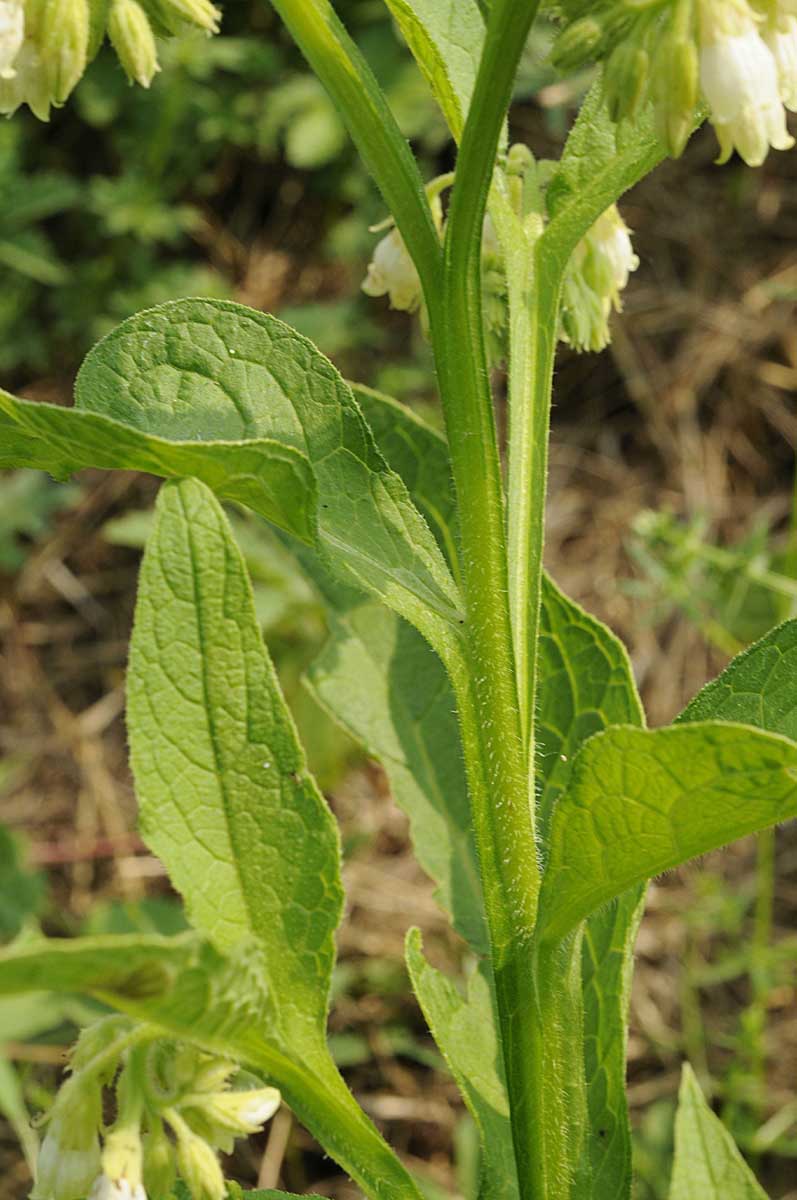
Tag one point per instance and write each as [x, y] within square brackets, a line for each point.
[506, 717]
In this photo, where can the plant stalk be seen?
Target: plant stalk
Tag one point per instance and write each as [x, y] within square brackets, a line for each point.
[488, 700]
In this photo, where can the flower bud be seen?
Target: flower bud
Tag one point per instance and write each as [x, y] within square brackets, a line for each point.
[12, 35]
[122, 1155]
[625, 80]
[675, 91]
[64, 43]
[199, 1167]
[195, 12]
[241, 1113]
[577, 44]
[133, 40]
[160, 1165]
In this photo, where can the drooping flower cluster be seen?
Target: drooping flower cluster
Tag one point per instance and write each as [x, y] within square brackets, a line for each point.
[176, 1108]
[46, 45]
[736, 57]
[597, 274]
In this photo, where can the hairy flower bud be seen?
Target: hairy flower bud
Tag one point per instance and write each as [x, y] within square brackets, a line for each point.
[675, 86]
[577, 43]
[12, 35]
[64, 43]
[29, 84]
[160, 1165]
[195, 12]
[133, 40]
[625, 79]
[199, 1167]
[241, 1112]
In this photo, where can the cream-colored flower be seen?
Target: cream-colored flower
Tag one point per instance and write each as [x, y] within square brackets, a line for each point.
[781, 38]
[105, 1188]
[597, 275]
[67, 1164]
[392, 273]
[739, 78]
[12, 35]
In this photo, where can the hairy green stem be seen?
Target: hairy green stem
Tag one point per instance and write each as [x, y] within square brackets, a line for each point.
[349, 80]
[488, 700]
[534, 295]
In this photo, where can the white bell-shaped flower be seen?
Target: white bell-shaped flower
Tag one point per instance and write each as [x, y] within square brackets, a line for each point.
[105, 1188]
[739, 78]
[781, 38]
[66, 1166]
[392, 273]
[12, 35]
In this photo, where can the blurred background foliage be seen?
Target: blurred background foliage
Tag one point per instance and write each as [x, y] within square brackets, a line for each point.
[671, 516]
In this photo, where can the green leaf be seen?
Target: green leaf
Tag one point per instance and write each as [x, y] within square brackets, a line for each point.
[445, 38]
[758, 688]
[225, 796]
[211, 370]
[12, 1107]
[419, 455]
[464, 1027]
[228, 804]
[641, 802]
[390, 692]
[708, 1165]
[21, 889]
[273, 479]
[600, 161]
[190, 992]
[586, 684]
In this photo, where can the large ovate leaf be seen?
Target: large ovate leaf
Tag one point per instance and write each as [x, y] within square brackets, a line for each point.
[213, 370]
[586, 684]
[464, 1027]
[273, 479]
[640, 802]
[446, 39]
[226, 799]
[708, 1165]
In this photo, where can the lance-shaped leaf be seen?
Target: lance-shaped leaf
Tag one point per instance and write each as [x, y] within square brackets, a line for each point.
[708, 1165]
[207, 369]
[273, 479]
[445, 38]
[600, 161]
[464, 1027]
[226, 799]
[641, 802]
